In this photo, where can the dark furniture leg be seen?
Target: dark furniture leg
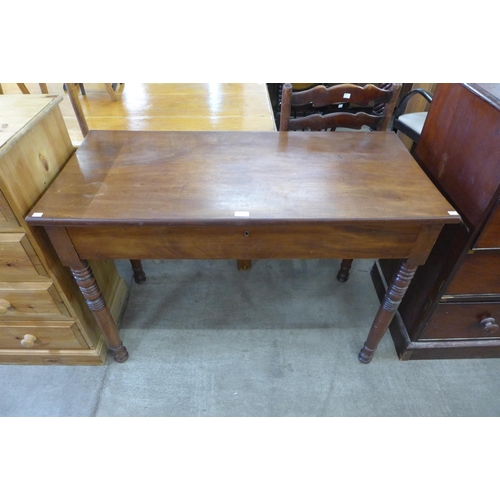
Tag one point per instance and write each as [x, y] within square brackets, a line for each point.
[387, 309]
[345, 267]
[90, 290]
[139, 274]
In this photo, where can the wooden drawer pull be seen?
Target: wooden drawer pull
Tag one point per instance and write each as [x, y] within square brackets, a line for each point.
[489, 325]
[28, 340]
[4, 305]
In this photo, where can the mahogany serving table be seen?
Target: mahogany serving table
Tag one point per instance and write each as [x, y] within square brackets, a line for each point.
[242, 195]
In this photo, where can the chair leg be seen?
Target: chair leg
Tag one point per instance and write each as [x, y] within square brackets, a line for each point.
[345, 266]
[139, 274]
[82, 88]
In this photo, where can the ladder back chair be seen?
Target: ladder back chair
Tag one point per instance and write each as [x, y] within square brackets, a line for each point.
[339, 106]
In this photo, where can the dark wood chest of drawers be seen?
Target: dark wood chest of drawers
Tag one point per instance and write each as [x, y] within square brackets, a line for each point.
[452, 307]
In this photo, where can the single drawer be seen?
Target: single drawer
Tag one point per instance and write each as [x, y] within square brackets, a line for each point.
[490, 235]
[479, 274]
[464, 321]
[7, 218]
[39, 335]
[27, 300]
[18, 260]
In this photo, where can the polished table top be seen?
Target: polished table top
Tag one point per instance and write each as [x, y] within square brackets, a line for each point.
[242, 195]
[206, 177]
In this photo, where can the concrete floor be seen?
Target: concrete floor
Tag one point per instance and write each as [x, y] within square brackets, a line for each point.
[279, 340]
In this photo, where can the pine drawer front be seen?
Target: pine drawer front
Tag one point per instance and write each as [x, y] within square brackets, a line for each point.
[478, 320]
[479, 274]
[7, 218]
[30, 300]
[490, 235]
[18, 260]
[39, 335]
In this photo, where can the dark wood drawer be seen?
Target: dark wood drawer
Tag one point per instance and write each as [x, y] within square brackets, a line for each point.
[479, 274]
[490, 235]
[462, 321]
[247, 240]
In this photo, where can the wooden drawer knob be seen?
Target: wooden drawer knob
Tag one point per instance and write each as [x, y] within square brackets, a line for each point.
[489, 325]
[4, 305]
[28, 340]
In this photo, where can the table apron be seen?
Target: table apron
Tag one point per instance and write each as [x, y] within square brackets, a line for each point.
[267, 241]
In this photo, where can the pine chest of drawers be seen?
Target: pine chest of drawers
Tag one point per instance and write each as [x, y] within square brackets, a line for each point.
[43, 318]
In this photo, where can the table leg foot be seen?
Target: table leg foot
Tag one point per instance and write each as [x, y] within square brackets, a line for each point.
[345, 267]
[139, 274]
[366, 355]
[120, 353]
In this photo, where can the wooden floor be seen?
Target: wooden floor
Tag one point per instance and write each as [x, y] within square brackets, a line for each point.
[165, 106]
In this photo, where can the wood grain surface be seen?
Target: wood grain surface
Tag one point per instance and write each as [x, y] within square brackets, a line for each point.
[206, 177]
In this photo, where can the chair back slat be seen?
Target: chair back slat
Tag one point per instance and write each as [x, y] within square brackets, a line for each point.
[380, 101]
[333, 120]
[320, 95]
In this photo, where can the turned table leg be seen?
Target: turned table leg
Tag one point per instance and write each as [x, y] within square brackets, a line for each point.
[345, 267]
[392, 299]
[95, 301]
[139, 274]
